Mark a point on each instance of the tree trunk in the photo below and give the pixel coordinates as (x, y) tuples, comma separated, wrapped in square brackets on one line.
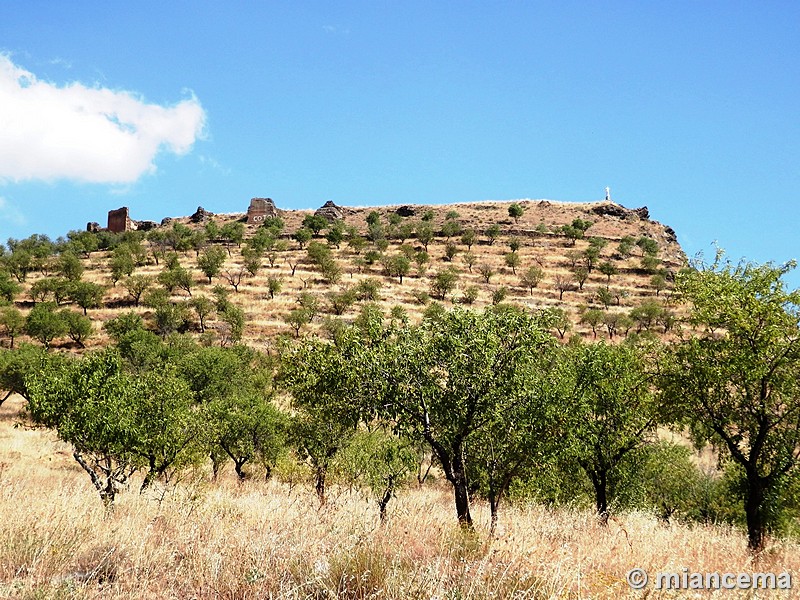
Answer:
[(216, 465), (238, 466), (320, 485), (461, 493), (754, 511), (600, 483), (387, 495), (493, 502)]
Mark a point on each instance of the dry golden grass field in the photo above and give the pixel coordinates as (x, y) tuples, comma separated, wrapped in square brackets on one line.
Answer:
[(232, 540)]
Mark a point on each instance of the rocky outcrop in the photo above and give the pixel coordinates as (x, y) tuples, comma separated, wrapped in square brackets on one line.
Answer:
[(330, 211), (260, 209), (166, 221), (611, 210), (93, 227), (145, 225), (201, 215), (406, 211)]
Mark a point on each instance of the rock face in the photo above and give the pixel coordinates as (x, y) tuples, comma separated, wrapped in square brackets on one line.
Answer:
[(145, 225), (406, 211), (260, 209), (166, 221), (119, 220), (201, 215), (330, 211), (611, 210), (93, 227)]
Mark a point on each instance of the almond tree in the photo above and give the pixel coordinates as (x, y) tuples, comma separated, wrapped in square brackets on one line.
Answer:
[(608, 411), (738, 376), (457, 381)]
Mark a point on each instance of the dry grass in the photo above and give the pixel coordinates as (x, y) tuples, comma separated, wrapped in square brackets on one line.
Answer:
[(266, 540)]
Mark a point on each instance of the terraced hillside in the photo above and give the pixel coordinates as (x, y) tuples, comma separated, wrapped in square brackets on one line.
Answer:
[(608, 268)]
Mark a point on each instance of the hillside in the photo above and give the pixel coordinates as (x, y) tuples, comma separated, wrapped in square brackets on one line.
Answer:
[(539, 233)]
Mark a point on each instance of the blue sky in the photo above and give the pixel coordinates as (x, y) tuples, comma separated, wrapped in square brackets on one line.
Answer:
[(690, 108)]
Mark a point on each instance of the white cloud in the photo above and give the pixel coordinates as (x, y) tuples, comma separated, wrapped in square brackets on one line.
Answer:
[(90, 134)]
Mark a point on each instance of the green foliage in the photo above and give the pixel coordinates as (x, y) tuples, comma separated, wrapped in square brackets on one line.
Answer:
[(492, 233), (137, 285), (531, 277), (274, 225), (458, 379), (451, 229), (12, 322), (593, 317), (86, 294), (176, 278), (315, 223), (44, 324), (90, 404), (203, 308), (515, 211), (123, 324), (648, 246), (373, 218), (558, 320), (397, 266), (450, 250), (342, 300), (626, 245), (379, 462), (170, 317), (323, 380), (302, 236), (19, 365), (512, 260), (443, 283), (274, 285), (232, 324), (608, 269), (78, 327), (70, 266), (609, 409), (247, 428), (469, 238), (232, 232), (296, 319), (336, 234), (121, 263), (424, 234), (369, 290), (210, 261), (737, 378), (499, 295), (470, 295), (8, 287)]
